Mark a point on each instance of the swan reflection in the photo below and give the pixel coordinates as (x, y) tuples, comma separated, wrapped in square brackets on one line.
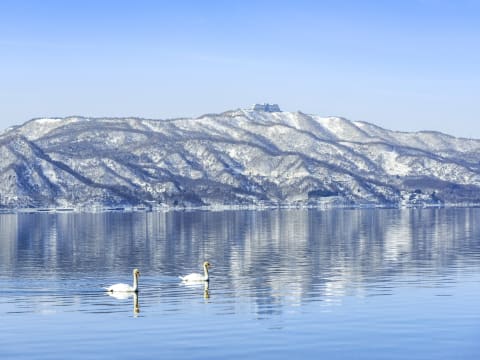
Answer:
[(126, 295), (120, 295), (198, 285), (206, 292), (136, 307)]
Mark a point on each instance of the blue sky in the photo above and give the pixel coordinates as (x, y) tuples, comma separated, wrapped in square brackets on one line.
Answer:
[(403, 65)]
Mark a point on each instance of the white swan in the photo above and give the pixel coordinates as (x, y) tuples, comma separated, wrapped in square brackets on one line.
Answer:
[(195, 277), (125, 288)]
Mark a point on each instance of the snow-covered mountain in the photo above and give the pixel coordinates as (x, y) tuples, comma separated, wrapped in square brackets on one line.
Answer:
[(261, 156)]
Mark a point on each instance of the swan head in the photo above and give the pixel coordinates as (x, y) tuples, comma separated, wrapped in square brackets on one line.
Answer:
[(206, 264), (136, 272)]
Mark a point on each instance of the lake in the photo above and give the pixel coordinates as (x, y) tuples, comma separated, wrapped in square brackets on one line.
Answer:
[(305, 283)]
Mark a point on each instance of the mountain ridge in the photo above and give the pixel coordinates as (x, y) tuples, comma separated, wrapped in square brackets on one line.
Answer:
[(238, 157)]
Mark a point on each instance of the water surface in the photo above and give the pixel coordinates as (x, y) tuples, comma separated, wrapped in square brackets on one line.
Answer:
[(336, 284)]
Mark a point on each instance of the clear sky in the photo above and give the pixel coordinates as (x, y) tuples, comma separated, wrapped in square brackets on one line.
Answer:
[(403, 65)]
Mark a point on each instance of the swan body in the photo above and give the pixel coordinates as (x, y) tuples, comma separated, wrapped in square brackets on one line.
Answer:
[(195, 277), (125, 288)]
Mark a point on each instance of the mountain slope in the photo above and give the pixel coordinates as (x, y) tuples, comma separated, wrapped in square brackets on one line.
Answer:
[(237, 157)]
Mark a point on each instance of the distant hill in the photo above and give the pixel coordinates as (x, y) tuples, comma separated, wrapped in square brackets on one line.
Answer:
[(239, 157)]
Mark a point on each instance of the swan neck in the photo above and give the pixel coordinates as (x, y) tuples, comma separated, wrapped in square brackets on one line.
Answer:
[(135, 282), (205, 271)]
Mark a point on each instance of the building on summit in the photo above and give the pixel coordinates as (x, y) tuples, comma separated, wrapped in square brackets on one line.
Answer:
[(266, 107)]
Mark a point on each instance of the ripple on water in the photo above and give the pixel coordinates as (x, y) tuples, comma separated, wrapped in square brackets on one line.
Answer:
[(333, 284)]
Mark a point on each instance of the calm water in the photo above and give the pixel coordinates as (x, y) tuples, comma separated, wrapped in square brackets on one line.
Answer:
[(339, 284)]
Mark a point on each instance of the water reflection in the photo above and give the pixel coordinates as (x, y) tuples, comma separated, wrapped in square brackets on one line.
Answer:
[(206, 291), (136, 307), (273, 258), (127, 295), (205, 285)]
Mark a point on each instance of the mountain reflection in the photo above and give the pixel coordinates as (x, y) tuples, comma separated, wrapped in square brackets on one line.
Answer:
[(275, 257)]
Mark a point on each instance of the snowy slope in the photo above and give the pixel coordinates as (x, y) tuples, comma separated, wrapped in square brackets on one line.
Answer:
[(237, 157)]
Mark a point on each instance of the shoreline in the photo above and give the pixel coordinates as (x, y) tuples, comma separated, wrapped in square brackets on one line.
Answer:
[(106, 209)]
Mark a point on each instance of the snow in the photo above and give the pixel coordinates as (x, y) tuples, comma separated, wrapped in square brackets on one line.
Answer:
[(49, 121), (37, 128), (255, 156), (393, 164)]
